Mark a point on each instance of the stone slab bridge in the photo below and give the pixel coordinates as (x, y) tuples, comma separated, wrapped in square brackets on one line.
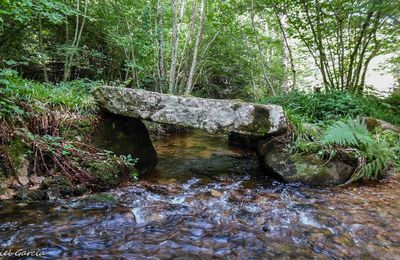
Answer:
[(212, 115)]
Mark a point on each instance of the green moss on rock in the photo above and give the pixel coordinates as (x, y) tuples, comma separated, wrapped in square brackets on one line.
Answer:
[(17, 151), (108, 172), (305, 168), (100, 198)]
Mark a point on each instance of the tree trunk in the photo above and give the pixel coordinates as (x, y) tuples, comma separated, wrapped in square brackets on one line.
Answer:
[(175, 42), (43, 61), (183, 70), (77, 39), (288, 50), (189, 85), (161, 66), (266, 78)]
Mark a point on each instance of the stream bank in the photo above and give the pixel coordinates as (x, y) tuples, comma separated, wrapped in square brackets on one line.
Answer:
[(208, 199)]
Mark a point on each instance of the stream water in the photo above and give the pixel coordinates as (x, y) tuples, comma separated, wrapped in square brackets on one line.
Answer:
[(208, 200)]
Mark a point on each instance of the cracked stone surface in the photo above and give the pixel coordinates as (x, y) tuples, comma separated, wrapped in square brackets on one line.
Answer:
[(212, 115)]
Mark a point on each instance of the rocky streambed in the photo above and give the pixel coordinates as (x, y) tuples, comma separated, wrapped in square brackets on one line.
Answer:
[(207, 199)]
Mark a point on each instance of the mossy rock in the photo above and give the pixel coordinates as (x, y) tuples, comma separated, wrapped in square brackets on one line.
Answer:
[(108, 172), (31, 195), (305, 168), (17, 151), (98, 200), (58, 186), (51, 187)]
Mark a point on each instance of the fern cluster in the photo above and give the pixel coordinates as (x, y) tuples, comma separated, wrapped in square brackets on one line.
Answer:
[(375, 151)]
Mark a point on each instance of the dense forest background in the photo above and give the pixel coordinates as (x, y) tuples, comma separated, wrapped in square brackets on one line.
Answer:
[(224, 49)]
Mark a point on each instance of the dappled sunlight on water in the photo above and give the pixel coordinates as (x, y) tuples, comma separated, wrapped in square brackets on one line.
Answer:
[(216, 204)]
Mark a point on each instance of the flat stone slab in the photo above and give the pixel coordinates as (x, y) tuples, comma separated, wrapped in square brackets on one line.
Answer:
[(212, 115)]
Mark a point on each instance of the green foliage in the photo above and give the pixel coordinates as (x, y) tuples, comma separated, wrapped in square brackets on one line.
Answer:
[(115, 162), (323, 107), (394, 98), (74, 95), (349, 133), (375, 152)]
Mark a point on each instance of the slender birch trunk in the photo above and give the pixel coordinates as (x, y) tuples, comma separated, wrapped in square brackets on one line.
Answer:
[(161, 66), (189, 85), (77, 38), (266, 78), (288, 50), (175, 42)]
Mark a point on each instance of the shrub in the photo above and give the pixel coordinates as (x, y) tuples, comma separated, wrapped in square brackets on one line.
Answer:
[(323, 107)]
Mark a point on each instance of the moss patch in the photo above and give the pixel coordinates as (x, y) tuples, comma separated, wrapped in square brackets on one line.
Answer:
[(101, 198), (17, 150), (108, 172), (311, 172)]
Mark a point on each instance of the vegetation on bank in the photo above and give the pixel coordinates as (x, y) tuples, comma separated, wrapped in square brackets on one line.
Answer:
[(333, 125), (48, 126)]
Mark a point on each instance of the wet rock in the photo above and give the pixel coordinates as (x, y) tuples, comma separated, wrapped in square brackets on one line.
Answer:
[(100, 200), (123, 136), (163, 189), (344, 240), (304, 168), (156, 217), (209, 114), (23, 172), (121, 217), (58, 186), (266, 229), (6, 194), (31, 195), (216, 193), (36, 181)]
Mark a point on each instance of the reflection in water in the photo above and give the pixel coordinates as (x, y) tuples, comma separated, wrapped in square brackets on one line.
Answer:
[(208, 200)]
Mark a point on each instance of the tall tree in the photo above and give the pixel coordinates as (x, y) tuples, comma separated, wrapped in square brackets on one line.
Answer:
[(189, 85), (342, 36), (260, 52), (80, 19), (176, 27), (160, 28)]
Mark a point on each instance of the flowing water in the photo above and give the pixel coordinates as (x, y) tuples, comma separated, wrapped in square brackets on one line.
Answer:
[(208, 200)]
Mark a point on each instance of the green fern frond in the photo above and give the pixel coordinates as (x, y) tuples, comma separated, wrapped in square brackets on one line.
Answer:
[(373, 169), (376, 152), (351, 133)]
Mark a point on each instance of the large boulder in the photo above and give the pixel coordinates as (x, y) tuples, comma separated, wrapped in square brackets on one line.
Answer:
[(211, 115), (124, 135), (305, 168)]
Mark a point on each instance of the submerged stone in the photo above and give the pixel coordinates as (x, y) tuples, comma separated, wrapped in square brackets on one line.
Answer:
[(211, 115)]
